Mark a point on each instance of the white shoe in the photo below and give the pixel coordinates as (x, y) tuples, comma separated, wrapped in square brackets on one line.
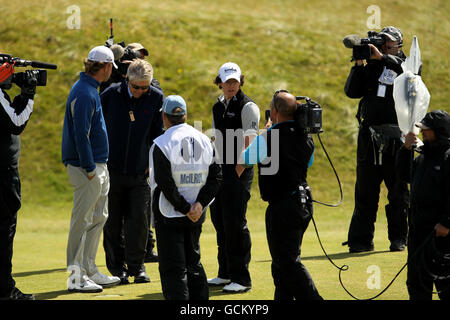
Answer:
[(104, 280), (84, 285), (218, 281), (235, 288)]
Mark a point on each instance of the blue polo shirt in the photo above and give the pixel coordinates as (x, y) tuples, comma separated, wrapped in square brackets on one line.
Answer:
[(84, 140), (256, 152)]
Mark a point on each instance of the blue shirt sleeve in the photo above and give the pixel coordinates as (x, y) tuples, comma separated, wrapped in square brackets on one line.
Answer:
[(311, 160), (256, 152)]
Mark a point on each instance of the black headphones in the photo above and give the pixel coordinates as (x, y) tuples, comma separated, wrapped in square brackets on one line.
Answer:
[(275, 96)]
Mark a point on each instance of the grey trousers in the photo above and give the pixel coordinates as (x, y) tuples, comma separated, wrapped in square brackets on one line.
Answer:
[(89, 215)]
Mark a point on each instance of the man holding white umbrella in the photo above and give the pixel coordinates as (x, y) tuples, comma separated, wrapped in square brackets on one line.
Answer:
[(429, 217)]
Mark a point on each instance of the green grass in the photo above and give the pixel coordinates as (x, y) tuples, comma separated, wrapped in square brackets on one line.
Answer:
[(40, 244), (291, 44)]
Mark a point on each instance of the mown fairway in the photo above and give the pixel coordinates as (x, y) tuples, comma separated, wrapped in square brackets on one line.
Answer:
[(295, 45)]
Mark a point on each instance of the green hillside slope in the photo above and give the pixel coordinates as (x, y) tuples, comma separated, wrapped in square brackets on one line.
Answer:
[(295, 45)]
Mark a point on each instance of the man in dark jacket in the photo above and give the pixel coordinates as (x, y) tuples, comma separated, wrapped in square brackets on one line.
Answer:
[(378, 141), (133, 120), (13, 120), (429, 217), (286, 190)]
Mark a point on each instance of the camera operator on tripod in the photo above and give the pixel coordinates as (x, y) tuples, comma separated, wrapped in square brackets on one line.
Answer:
[(13, 120), (372, 78)]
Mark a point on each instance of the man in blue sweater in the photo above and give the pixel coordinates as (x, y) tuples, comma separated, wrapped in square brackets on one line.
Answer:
[(85, 153)]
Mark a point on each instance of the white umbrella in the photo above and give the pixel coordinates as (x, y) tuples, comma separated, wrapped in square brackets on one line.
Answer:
[(411, 96)]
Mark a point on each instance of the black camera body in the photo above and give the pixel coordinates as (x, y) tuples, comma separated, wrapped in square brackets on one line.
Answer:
[(32, 78), (362, 51), (28, 78), (308, 116), (129, 55)]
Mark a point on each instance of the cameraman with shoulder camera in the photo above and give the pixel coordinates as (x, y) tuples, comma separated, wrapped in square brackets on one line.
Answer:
[(290, 206), (378, 141), (13, 120)]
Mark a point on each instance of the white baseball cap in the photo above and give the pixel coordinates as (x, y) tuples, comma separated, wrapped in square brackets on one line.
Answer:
[(230, 70), (102, 54)]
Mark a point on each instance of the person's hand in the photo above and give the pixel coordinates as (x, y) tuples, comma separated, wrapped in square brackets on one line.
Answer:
[(375, 54), (91, 175), (410, 140), (441, 231), (239, 169), (196, 212)]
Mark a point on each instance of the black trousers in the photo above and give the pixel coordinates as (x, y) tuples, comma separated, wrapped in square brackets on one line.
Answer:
[(181, 271), (128, 200), (228, 215), (369, 176), (9, 205), (151, 238), (419, 282), (286, 223)]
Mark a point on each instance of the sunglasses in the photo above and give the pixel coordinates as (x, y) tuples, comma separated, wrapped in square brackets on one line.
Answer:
[(139, 87)]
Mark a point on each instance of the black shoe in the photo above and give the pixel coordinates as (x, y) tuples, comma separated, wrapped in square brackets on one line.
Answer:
[(360, 248), (151, 257), (142, 277), (123, 278), (397, 245), (16, 294)]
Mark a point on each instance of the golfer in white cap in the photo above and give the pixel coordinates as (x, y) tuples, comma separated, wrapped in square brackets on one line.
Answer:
[(85, 152), (233, 112)]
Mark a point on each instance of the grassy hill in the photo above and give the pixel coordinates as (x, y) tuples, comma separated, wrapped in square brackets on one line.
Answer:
[(291, 44), (295, 45)]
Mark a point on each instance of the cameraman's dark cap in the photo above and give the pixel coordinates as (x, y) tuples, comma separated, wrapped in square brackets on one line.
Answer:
[(393, 33), (438, 121), (138, 47), (130, 55)]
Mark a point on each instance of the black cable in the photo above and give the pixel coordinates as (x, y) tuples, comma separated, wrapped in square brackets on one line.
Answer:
[(346, 267), (337, 177), (423, 265)]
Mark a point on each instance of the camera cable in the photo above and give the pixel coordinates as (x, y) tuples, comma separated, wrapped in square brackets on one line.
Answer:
[(344, 267)]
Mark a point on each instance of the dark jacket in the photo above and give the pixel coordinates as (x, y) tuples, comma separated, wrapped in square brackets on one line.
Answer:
[(363, 82), (295, 150), (132, 124), (229, 118), (430, 189), (13, 120)]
